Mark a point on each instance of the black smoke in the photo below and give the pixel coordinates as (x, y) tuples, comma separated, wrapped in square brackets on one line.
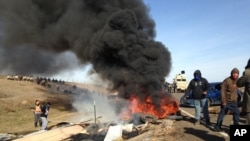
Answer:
[(115, 36)]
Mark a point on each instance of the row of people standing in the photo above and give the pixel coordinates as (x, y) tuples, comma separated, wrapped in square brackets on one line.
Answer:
[(171, 88), (41, 114), (198, 87)]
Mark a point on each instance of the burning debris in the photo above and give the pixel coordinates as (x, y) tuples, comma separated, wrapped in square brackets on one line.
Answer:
[(124, 127), (167, 106), (140, 120), (125, 110)]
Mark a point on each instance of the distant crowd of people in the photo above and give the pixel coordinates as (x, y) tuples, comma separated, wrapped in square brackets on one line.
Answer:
[(44, 81), (171, 88), (198, 87)]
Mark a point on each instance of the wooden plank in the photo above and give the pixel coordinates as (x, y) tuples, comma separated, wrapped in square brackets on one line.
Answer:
[(53, 135)]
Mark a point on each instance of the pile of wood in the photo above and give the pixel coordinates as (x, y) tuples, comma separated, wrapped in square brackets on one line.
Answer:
[(149, 129)]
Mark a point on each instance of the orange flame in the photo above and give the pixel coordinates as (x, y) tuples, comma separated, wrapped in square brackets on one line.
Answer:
[(168, 106)]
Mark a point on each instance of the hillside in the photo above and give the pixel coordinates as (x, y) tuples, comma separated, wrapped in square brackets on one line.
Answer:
[(17, 97)]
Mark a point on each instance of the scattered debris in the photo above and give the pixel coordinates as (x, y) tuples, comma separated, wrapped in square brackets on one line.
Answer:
[(148, 128), (6, 137)]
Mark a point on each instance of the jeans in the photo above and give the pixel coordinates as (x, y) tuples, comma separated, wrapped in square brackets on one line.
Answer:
[(44, 123), (201, 104), (236, 113), (37, 119), (248, 119)]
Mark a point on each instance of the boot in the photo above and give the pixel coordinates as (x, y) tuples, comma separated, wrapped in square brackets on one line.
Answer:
[(197, 122), (208, 123), (217, 128)]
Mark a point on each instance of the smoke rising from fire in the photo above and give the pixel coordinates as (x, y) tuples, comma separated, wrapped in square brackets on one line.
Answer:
[(115, 36)]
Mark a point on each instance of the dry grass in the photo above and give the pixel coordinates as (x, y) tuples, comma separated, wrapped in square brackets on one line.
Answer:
[(16, 98)]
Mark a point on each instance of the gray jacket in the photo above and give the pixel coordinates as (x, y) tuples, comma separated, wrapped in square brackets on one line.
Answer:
[(244, 81)]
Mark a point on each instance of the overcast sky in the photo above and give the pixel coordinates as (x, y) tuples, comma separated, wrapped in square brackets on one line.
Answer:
[(212, 36)]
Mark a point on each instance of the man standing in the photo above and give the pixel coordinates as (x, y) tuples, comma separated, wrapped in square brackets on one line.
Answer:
[(37, 113), (198, 87), (44, 117), (47, 107), (244, 81), (174, 86), (229, 98)]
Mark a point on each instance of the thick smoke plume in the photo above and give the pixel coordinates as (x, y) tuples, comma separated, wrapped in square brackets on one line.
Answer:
[(115, 36)]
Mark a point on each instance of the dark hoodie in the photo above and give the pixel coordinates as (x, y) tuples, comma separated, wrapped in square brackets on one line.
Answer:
[(234, 70), (229, 88), (197, 86)]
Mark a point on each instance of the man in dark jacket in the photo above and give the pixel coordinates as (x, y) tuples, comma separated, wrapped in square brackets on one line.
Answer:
[(198, 87), (244, 81), (229, 98), (44, 118), (47, 107)]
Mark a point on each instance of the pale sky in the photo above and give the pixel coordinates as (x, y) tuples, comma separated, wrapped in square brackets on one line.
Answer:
[(212, 36)]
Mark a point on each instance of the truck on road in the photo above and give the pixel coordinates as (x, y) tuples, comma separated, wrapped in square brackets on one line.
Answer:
[(181, 82)]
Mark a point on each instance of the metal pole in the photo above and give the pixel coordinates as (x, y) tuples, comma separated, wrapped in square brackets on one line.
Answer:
[(94, 112)]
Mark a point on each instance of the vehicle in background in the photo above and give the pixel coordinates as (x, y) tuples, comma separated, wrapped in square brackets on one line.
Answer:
[(213, 96), (181, 82)]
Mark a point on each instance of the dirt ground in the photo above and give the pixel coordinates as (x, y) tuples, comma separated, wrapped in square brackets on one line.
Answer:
[(183, 130), (197, 133)]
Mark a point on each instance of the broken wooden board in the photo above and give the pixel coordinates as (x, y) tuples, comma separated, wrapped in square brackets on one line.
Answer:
[(53, 135), (115, 132)]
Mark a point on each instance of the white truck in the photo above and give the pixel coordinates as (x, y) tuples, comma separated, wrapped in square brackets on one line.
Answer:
[(181, 82)]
